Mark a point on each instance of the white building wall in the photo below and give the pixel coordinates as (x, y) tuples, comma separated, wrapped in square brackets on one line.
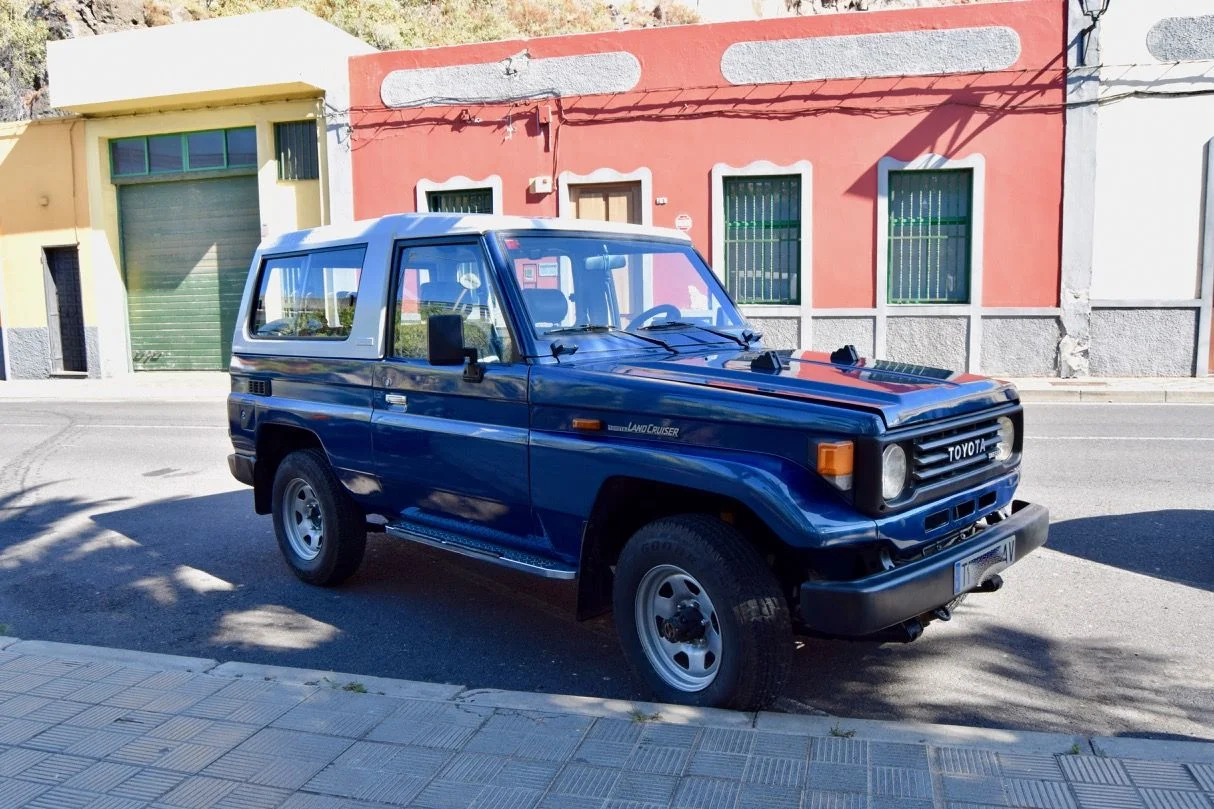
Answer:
[(1150, 158)]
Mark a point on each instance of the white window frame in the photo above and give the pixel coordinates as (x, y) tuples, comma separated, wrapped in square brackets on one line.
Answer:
[(761, 168), (603, 176), (493, 183), (976, 163)]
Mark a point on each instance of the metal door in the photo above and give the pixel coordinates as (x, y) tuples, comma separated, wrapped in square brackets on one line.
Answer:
[(186, 250), (447, 446), (64, 311)]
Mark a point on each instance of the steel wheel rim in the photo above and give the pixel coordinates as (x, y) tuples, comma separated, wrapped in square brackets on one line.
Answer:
[(302, 519), (688, 665)]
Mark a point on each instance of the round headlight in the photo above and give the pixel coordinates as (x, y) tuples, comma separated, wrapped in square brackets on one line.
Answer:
[(893, 471), (1007, 439)]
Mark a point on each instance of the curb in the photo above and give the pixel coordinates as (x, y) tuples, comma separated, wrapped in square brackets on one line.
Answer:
[(999, 740), (1096, 396), (402, 689), (104, 654)]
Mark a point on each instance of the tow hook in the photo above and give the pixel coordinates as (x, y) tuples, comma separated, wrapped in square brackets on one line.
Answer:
[(990, 585)]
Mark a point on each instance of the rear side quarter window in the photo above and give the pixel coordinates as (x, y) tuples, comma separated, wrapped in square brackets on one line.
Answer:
[(309, 296)]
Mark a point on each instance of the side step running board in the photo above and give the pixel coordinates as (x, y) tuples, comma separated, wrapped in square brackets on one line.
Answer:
[(474, 549)]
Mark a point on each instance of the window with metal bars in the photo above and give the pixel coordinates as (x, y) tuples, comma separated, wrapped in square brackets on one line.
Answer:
[(298, 155), (470, 200), (930, 233), (763, 238)]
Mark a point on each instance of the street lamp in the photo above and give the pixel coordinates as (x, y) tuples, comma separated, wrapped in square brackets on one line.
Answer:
[(1093, 10)]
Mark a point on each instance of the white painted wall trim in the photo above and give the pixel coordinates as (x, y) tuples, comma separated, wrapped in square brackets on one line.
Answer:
[(1205, 315), (461, 183), (770, 310), (1131, 303), (4, 359), (977, 163), (564, 202), (760, 168), (933, 311)]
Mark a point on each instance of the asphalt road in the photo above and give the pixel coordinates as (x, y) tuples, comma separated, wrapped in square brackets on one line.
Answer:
[(120, 526)]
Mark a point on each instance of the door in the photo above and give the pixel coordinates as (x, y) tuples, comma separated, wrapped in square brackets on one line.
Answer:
[(611, 202), (618, 202), (64, 311), (186, 249), (446, 447)]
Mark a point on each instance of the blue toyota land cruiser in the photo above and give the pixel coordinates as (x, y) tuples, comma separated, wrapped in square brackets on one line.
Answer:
[(583, 401)]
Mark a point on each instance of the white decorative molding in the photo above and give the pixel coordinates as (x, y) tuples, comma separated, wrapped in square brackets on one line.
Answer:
[(1182, 39), (493, 182), (564, 202), (516, 78), (805, 170), (1206, 312), (972, 310), (926, 52)]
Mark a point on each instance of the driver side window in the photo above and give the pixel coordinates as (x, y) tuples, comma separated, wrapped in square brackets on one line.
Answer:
[(445, 279)]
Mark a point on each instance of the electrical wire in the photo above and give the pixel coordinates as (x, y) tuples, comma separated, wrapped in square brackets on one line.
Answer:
[(801, 104)]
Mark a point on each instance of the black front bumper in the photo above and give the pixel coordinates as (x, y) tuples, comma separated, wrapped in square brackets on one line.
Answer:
[(241, 467), (864, 606)]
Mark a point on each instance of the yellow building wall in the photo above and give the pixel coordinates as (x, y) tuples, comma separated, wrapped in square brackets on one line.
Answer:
[(43, 203), (284, 206)]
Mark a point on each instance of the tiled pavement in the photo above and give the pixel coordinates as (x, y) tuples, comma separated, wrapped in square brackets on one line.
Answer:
[(78, 733)]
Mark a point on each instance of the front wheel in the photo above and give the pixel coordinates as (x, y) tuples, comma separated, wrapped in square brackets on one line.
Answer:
[(700, 616), (320, 531)]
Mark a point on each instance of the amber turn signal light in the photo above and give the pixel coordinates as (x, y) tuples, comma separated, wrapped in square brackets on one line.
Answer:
[(836, 462), (587, 424)]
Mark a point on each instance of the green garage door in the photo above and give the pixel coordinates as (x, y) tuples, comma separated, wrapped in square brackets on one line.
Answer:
[(186, 249)]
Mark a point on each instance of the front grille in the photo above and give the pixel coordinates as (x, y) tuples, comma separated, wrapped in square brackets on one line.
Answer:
[(959, 450)]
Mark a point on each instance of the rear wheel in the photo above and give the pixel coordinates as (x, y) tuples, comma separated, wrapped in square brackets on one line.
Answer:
[(700, 616), (320, 530)]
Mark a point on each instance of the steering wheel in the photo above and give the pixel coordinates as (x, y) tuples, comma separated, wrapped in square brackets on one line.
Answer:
[(668, 309)]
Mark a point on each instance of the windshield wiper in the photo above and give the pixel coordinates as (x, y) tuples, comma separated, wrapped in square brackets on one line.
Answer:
[(599, 328), (744, 341)]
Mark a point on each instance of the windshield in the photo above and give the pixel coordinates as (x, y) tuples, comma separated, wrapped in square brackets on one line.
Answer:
[(575, 284)]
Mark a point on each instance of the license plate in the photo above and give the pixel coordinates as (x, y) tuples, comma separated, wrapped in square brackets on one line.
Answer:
[(970, 572)]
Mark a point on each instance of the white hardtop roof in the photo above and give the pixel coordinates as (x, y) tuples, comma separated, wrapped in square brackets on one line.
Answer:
[(424, 225)]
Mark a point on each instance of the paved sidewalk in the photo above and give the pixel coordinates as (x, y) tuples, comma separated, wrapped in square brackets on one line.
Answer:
[(177, 386), (106, 729)]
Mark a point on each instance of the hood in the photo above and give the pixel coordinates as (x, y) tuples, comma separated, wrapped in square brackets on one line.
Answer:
[(902, 394)]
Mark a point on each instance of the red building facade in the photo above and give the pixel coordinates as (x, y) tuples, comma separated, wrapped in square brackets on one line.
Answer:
[(888, 179)]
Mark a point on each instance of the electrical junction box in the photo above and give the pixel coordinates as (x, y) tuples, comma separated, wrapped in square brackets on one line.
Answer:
[(541, 185)]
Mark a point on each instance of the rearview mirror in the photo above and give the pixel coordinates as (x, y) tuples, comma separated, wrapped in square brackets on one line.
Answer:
[(446, 338), (606, 262), (445, 335)]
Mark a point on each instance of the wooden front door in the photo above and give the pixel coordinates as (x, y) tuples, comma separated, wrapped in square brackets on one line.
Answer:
[(610, 202)]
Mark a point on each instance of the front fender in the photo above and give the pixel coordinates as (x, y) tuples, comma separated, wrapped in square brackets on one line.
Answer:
[(567, 473)]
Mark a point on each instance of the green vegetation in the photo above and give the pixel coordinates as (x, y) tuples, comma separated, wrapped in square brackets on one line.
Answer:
[(840, 733), (357, 688), (386, 24), (638, 715), (22, 58), (396, 24)]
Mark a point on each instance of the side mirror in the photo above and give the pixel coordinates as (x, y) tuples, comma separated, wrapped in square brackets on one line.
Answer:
[(445, 335)]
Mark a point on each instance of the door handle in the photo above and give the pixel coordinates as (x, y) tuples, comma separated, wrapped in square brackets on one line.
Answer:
[(397, 399)]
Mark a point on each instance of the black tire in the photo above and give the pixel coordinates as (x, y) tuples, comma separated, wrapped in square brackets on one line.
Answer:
[(344, 537), (755, 628)]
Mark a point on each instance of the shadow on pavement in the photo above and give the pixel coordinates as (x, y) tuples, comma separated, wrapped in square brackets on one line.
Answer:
[(1176, 544), (203, 576)]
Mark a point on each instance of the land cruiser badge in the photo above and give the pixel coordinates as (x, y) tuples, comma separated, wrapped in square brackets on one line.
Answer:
[(645, 429)]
